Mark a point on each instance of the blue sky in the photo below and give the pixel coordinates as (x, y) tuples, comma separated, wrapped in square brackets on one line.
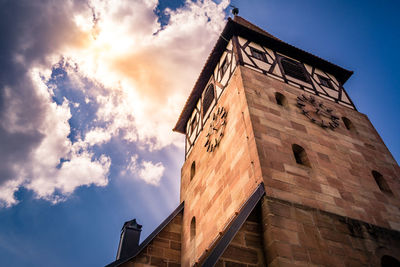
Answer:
[(90, 91)]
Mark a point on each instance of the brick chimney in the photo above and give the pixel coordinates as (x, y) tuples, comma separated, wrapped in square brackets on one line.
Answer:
[(129, 241)]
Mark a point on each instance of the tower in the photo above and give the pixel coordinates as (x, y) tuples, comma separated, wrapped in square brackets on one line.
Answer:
[(280, 167)]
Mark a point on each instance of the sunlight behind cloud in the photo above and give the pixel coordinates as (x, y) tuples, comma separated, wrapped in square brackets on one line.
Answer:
[(126, 77)]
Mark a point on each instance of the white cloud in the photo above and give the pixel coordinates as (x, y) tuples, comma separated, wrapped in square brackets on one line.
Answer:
[(147, 171), (141, 75)]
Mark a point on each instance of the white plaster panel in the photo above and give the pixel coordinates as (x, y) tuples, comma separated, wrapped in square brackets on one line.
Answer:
[(319, 89), (297, 81), (308, 68), (326, 97), (277, 70), (332, 93), (261, 64), (229, 46), (246, 59), (333, 78), (219, 90), (270, 53), (256, 46), (344, 97), (242, 41)]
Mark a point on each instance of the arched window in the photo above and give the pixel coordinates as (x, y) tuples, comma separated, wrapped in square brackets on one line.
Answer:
[(193, 228), (389, 261), (208, 98), (349, 125), (281, 99), (383, 186), (300, 155), (192, 170)]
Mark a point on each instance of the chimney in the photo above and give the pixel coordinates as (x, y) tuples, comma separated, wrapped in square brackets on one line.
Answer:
[(129, 240)]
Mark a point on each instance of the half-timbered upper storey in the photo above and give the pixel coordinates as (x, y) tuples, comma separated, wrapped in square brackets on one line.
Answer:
[(247, 45)]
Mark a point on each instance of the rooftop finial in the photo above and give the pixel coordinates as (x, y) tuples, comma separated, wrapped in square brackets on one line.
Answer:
[(235, 10)]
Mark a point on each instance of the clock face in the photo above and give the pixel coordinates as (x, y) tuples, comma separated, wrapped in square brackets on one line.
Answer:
[(216, 129), (316, 112)]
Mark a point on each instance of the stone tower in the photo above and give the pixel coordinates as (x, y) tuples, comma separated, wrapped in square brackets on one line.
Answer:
[(280, 168)]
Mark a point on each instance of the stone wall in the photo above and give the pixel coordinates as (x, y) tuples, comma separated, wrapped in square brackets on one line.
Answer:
[(339, 179), (164, 250), (296, 235), (246, 249), (224, 179)]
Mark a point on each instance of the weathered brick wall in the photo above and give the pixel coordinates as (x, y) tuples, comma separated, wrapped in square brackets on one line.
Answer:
[(340, 179), (246, 249), (164, 250), (296, 235), (224, 179)]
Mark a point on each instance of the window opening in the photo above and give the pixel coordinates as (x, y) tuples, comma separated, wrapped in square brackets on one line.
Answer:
[(325, 81), (224, 67), (193, 124), (192, 170), (294, 69), (258, 54), (208, 98), (193, 228), (383, 186), (349, 125), (281, 99), (300, 155)]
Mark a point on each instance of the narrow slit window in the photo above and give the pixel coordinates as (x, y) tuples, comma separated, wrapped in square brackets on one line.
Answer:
[(349, 125), (281, 99), (193, 228), (294, 69), (300, 155), (208, 98), (380, 181), (192, 170)]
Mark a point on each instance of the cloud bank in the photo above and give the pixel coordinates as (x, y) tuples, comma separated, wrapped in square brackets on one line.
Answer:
[(76, 74)]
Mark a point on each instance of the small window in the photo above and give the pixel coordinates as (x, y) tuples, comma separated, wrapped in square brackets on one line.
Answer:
[(193, 228), (383, 186), (294, 69), (325, 81), (192, 170), (258, 54), (281, 99), (349, 125), (224, 67), (208, 98), (300, 155), (193, 124)]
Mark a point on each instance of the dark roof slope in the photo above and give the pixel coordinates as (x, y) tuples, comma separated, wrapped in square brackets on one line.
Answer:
[(146, 242), (218, 248), (241, 27)]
